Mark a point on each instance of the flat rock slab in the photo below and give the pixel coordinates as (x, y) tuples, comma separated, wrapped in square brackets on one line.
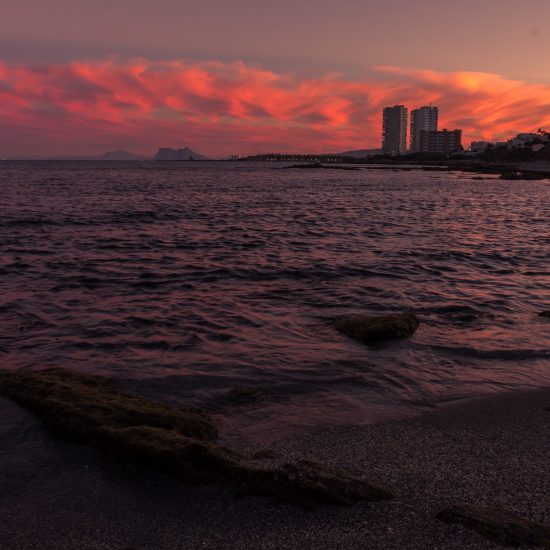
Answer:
[(176, 441), (79, 405), (506, 528), (371, 329)]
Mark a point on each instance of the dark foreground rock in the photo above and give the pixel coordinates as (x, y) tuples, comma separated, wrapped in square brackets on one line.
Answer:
[(82, 407), (176, 441), (369, 329), (505, 528), (545, 313)]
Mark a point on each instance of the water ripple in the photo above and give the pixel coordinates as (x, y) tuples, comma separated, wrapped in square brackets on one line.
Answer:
[(186, 280)]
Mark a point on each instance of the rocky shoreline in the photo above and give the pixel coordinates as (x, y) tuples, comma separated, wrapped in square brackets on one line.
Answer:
[(505, 171), (483, 459), (470, 475), (176, 441)]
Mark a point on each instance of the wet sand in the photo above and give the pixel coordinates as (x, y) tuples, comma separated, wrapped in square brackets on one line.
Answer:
[(492, 451)]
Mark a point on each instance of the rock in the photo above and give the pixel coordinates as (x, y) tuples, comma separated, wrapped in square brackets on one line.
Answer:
[(79, 406), (264, 454), (514, 175), (545, 313), (368, 329), (176, 441), (506, 528), (309, 484), (306, 166)]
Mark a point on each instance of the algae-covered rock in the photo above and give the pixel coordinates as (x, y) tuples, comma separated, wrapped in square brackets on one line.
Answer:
[(371, 329), (506, 528), (77, 406), (309, 484), (264, 454), (176, 441)]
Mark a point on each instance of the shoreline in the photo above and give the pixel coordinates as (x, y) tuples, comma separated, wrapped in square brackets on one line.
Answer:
[(489, 451)]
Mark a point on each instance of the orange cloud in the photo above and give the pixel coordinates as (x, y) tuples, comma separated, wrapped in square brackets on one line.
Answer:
[(222, 108)]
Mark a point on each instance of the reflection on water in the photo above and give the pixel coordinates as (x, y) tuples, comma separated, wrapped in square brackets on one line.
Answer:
[(185, 280)]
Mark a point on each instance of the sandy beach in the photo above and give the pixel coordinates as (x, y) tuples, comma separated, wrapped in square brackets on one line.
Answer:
[(491, 451)]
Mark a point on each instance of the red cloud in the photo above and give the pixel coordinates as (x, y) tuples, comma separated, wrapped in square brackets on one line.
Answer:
[(223, 108)]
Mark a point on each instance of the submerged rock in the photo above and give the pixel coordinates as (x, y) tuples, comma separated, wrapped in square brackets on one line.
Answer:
[(308, 484), (370, 329), (264, 454), (79, 406), (523, 175), (306, 166), (506, 528), (176, 441)]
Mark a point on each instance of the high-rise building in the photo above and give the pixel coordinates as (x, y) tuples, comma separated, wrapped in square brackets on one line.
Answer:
[(424, 118), (442, 142), (394, 133)]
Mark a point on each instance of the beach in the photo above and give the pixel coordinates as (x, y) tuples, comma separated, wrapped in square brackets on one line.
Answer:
[(274, 276), (490, 452)]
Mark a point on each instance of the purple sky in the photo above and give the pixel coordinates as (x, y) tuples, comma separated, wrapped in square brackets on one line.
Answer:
[(305, 39), (507, 37)]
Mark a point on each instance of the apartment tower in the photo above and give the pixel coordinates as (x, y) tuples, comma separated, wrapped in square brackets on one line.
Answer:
[(394, 133), (422, 119), (442, 142)]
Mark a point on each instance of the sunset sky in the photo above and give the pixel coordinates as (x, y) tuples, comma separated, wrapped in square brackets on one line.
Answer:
[(242, 76)]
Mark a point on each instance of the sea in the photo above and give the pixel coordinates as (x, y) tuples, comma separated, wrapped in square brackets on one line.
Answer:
[(217, 284)]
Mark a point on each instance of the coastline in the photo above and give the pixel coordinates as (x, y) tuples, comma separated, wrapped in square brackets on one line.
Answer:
[(490, 451)]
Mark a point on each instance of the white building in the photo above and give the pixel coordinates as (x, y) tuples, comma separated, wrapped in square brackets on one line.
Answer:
[(424, 118), (394, 133)]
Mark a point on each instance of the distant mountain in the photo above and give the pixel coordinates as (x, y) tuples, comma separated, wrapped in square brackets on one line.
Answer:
[(110, 155), (118, 155), (165, 153), (360, 153)]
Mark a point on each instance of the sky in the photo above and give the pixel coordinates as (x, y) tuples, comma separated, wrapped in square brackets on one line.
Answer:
[(243, 76)]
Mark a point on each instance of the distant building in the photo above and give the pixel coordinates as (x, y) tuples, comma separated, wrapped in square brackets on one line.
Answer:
[(480, 146), (524, 140), (424, 118), (442, 142), (394, 133)]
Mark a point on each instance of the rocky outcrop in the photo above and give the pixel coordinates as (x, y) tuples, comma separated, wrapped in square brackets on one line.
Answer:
[(83, 408), (372, 329), (545, 313), (165, 153), (506, 528), (176, 441)]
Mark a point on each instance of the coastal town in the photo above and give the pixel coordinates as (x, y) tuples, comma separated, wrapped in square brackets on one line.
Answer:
[(426, 138)]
